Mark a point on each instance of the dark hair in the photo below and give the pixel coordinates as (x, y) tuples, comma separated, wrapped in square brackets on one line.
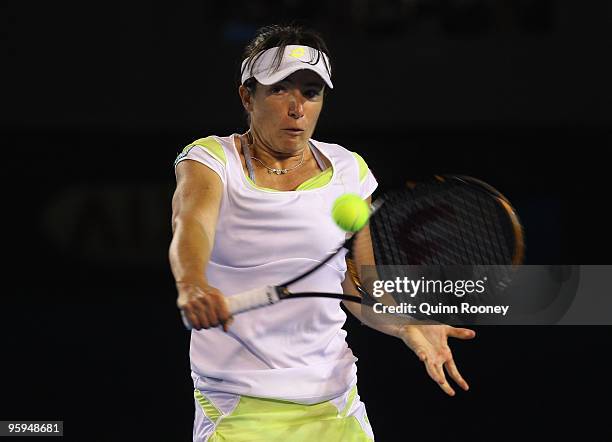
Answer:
[(280, 36)]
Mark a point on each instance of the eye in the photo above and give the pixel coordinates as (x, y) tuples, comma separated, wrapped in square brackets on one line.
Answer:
[(277, 88), (313, 93)]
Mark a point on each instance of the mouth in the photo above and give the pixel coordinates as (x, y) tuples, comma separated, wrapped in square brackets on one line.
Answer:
[(293, 131)]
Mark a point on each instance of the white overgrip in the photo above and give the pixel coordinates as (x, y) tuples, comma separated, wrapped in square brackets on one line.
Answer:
[(252, 299)]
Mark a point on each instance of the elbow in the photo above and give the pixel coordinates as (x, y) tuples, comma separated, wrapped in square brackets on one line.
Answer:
[(181, 221), (183, 224)]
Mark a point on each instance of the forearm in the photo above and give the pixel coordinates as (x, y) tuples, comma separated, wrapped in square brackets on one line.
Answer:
[(392, 325), (190, 251)]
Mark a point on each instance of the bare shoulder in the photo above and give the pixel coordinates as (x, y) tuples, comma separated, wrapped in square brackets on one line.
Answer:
[(198, 190), (193, 172)]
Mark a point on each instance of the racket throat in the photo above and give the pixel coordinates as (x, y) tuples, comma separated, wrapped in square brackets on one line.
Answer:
[(282, 292)]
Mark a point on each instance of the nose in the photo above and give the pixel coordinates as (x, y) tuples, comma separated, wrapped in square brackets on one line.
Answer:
[(296, 105)]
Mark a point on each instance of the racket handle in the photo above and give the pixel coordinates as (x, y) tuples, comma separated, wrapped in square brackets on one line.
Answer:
[(252, 299), (245, 301)]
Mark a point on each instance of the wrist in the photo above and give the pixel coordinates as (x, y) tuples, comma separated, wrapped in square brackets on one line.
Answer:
[(403, 330), (185, 283)]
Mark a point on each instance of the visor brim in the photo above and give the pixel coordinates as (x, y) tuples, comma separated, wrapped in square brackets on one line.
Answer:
[(281, 74)]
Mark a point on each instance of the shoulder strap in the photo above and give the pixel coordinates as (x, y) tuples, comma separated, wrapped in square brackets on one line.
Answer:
[(317, 156), (247, 160)]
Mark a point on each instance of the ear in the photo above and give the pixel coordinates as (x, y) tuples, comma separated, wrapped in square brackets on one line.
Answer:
[(246, 98)]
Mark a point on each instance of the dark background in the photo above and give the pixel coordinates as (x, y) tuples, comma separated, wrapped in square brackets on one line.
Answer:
[(99, 99)]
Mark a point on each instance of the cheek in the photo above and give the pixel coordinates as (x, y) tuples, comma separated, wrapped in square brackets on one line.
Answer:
[(264, 109), (314, 111)]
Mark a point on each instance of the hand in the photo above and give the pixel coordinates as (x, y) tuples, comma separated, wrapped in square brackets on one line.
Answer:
[(429, 343), (204, 306)]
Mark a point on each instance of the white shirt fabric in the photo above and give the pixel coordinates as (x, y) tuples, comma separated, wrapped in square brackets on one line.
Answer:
[(294, 350)]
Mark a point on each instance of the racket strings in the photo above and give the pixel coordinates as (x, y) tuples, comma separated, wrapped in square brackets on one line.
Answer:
[(384, 231), (441, 224), (483, 222)]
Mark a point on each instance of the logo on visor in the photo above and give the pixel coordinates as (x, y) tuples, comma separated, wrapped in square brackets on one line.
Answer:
[(297, 53)]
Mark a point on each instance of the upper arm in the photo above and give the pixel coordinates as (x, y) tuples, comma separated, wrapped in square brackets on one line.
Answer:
[(362, 255), (363, 252), (197, 196)]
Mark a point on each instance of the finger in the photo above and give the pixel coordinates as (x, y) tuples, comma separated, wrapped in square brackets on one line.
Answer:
[(208, 311), (225, 318), (442, 382), (461, 333), (446, 388), (434, 372), (440, 378), (193, 319), (200, 305), (200, 312), (226, 324), (223, 308), (455, 375), (440, 372), (223, 315)]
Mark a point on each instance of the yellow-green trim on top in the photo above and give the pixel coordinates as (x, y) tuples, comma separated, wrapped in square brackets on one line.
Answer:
[(214, 148), (210, 145), (363, 167)]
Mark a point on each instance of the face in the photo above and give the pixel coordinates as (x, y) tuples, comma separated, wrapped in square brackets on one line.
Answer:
[(284, 115)]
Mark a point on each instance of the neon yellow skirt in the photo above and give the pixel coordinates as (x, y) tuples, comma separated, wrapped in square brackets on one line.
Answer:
[(228, 417)]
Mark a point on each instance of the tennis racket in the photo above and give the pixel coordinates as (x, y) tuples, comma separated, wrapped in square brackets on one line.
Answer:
[(442, 222)]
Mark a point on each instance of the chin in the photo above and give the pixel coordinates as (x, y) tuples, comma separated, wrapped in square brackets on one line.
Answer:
[(291, 142)]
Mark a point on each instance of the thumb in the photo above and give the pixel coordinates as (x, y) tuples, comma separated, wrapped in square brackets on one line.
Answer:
[(461, 333)]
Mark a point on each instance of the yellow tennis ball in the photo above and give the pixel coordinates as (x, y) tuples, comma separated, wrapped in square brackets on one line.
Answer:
[(350, 212)]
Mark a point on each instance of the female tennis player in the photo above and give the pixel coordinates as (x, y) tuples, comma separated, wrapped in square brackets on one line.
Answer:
[(253, 209)]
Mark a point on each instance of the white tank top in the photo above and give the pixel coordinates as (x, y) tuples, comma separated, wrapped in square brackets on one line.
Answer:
[(294, 350)]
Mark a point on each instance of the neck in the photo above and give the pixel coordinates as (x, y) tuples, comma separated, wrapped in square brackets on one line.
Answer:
[(273, 157)]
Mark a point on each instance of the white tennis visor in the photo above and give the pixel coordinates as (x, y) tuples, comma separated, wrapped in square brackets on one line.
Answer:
[(295, 58)]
